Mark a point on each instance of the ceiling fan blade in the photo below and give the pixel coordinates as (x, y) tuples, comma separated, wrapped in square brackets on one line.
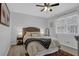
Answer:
[(56, 4), (40, 5), (42, 10)]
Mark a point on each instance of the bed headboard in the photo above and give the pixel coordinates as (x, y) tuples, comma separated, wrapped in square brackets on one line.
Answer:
[(30, 29)]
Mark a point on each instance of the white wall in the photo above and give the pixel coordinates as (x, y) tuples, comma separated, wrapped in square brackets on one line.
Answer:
[(22, 20), (51, 27), (65, 39), (4, 40)]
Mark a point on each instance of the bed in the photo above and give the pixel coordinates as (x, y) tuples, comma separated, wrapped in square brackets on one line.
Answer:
[(37, 44)]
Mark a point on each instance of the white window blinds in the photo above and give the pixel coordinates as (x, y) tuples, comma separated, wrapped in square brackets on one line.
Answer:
[(67, 25)]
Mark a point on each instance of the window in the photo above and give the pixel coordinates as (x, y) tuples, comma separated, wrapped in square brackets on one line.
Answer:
[(67, 25)]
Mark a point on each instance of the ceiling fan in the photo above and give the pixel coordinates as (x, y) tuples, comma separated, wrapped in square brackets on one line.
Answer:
[(47, 6)]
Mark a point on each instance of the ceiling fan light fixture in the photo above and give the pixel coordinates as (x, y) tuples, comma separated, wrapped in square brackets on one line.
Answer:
[(45, 8), (48, 8)]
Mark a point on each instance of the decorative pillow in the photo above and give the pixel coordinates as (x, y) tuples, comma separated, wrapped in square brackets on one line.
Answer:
[(35, 34)]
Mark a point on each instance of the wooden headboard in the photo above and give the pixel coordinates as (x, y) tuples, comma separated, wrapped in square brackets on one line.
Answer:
[(30, 29)]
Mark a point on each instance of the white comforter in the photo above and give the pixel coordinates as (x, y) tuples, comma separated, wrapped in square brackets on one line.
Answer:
[(35, 48)]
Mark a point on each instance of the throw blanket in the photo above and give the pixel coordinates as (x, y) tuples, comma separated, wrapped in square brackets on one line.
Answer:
[(44, 42)]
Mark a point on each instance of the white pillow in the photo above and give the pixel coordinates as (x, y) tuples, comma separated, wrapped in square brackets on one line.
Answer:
[(35, 34)]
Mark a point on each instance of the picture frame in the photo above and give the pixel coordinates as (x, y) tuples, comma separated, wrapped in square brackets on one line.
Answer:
[(4, 14)]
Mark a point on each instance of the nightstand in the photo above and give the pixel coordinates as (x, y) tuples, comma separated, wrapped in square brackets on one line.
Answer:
[(19, 40)]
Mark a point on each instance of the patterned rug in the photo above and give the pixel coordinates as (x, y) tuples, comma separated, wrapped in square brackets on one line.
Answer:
[(59, 53)]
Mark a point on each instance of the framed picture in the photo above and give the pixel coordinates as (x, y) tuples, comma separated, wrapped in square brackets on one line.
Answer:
[(4, 14)]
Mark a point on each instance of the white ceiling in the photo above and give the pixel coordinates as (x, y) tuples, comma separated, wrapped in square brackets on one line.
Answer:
[(32, 9)]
